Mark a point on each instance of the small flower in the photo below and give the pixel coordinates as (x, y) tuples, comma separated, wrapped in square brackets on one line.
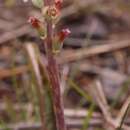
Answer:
[(58, 4), (51, 12), (63, 34), (59, 39), (34, 22), (39, 26)]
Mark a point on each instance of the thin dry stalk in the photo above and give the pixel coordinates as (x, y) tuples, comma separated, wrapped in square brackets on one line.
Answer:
[(123, 110), (99, 94), (35, 66)]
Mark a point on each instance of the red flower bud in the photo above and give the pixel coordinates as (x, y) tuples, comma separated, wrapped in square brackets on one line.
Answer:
[(38, 25), (63, 34), (58, 4), (58, 40), (34, 22)]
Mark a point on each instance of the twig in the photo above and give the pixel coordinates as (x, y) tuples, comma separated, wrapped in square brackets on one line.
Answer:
[(25, 29), (4, 73), (88, 52)]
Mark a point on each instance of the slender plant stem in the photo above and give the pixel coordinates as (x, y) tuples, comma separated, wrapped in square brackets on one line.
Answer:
[(48, 2), (54, 75)]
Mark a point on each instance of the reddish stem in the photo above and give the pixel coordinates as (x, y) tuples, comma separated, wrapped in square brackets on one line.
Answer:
[(54, 75), (48, 2)]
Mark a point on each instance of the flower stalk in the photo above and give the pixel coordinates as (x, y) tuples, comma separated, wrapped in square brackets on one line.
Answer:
[(53, 44), (54, 74)]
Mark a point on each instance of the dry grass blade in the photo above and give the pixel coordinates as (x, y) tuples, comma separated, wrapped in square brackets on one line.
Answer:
[(123, 118), (123, 112), (33, 59), (101, 100), (99, 95)]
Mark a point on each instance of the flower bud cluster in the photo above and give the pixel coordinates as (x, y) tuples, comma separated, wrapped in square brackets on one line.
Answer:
[(50, 13)]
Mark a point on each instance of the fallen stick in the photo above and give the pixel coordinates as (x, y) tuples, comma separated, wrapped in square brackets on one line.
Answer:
[(14, 71), (25, 29), (74, 55)]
